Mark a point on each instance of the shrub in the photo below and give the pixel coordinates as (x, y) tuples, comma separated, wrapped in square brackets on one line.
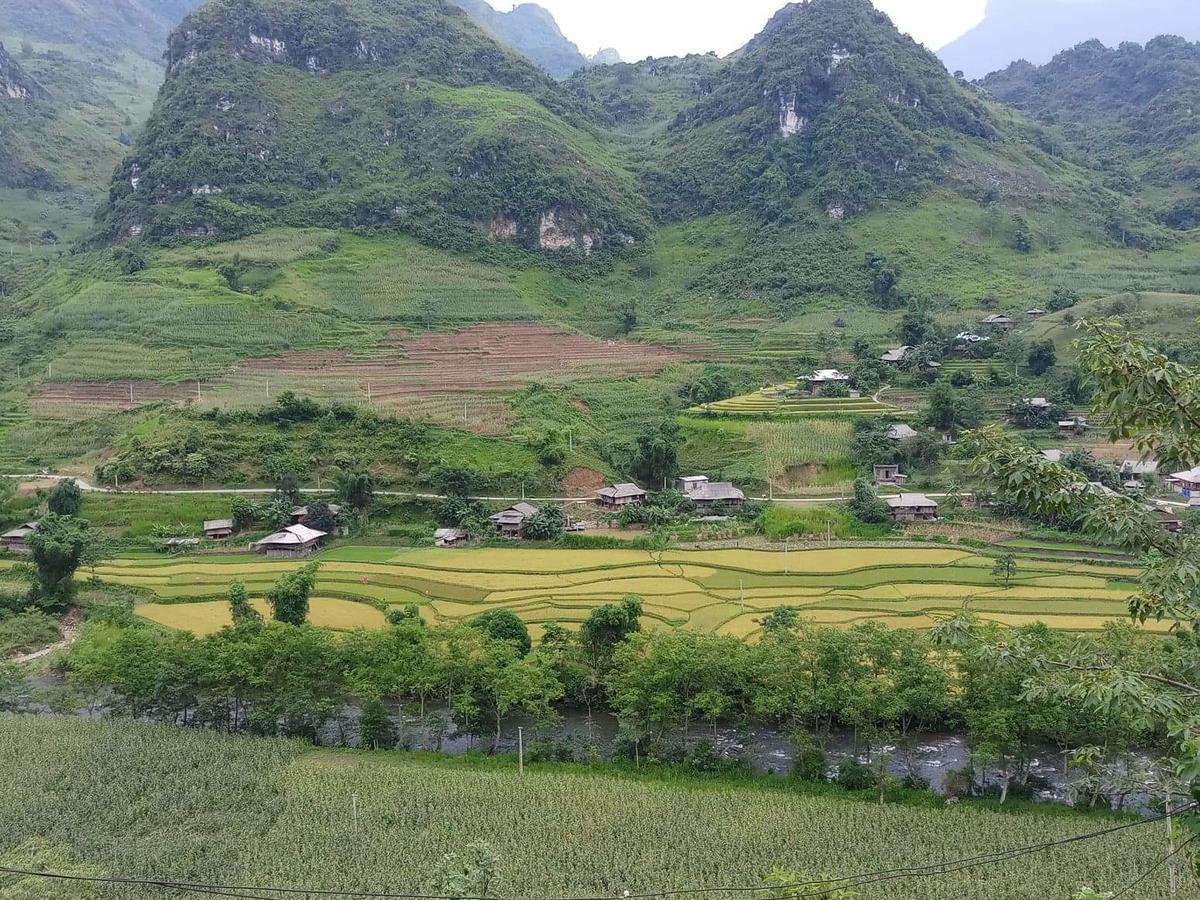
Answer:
[(854, 776)]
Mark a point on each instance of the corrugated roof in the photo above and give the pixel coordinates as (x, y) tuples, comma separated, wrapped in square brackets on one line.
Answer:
[(293, 536), (620, 491), (910, 501), (715, 492)]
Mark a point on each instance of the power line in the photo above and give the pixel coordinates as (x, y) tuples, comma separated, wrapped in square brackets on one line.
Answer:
[(1154, 868), (833, 884)]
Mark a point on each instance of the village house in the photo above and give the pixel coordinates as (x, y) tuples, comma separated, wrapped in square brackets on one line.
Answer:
[(1168, 519), (821, 379), (912, 508), (618, 496), (181, 543), (900, 433), (449, 537), (294, 541), (1138, 470), (510, 522), (998, 322), (1035, 313), (1040, 403), (889, 474), (897, 356), (299, 514), (17, 540), (1075, 425), (704, 493), (1186, 483), (218, 529)]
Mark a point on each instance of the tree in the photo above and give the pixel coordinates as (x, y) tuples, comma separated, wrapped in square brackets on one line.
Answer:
[(58, 548), (885, 281), (503, 625), (321, 517), (782, 618), (1022, 235), (243, 513), (65, 498), (950, 410), (917, 327), (130, 260), (289, 596), (1146, 398), (628, 315), (287, 488), (1042, 357), (657, 458), (375, 728), (866, 505), (1006, 568), (605, 628), (544, 525), (355, 489), (240, 608)]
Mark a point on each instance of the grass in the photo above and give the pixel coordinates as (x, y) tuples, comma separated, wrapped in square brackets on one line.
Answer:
[(269, 811), (785, 400), (724, 591)]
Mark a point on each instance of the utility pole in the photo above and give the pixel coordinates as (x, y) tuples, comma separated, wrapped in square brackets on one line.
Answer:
[(1172, 881), (520, 750), (354, 810), (131, 393)]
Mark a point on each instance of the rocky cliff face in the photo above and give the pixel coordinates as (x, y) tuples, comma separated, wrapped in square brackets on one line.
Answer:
[(14, 83)]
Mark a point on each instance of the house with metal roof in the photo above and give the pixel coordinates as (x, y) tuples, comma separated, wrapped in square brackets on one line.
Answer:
[(293, 541), (618, 496), (901, 432), (912, 508), (704, 493), (17, 540), (821, 379), (218, 529)]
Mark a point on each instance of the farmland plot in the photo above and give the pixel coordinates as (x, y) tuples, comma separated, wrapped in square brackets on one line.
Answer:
[(723, 591)]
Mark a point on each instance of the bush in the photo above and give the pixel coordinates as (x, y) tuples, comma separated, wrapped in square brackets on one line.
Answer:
[(810, 763), (702, 757), (65, 498), (854, 776)]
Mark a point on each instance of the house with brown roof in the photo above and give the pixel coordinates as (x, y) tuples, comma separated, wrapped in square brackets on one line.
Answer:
[(912, 508), (510, 522), (999, 322), (218, 529), (290, 543), (299, 514), (901, 432), (618, 496), (897, 356), (17, 540)]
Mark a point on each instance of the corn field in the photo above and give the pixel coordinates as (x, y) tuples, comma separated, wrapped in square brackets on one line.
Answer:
[(123, 799), (786, 444)]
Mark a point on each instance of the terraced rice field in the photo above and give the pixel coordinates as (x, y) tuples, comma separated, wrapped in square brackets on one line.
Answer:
[(449, 378), (783, 400), (722, 591)]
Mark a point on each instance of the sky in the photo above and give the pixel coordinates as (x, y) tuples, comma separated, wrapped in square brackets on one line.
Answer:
[(641, 28)]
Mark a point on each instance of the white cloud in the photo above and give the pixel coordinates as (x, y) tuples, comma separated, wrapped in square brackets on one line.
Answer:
[(641, 28)]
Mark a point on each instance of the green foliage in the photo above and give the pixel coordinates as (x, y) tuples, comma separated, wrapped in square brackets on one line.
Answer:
[(545, 525), (65, 498), (239, 606), (503, 625), (781, 522), (58, 548), (866, 505), (1042, 357), (375, 728), (289, 596), (1006, 568), (355, 489), (657, 459)]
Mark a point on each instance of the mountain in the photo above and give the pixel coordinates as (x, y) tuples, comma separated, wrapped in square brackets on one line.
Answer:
[(97, 65), (368, 113), (830, 100), (1035, 30), (532, 31), (120, 26), (1133, 111), (15, 84)]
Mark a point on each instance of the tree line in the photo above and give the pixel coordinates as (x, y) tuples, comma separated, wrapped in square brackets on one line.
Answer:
[(670, 689)]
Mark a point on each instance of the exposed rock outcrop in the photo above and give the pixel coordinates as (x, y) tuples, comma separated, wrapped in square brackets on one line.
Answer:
[(15, 84)]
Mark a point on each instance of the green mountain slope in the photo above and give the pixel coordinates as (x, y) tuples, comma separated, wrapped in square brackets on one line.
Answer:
[(100, 65), (532, 31), (1133, 111), (379, 113)]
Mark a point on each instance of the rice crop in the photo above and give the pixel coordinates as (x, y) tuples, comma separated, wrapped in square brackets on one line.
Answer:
[(708, 590)]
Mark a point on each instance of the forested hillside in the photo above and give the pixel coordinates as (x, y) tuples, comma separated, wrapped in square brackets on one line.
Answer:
[(401, 114), (1132, 111)]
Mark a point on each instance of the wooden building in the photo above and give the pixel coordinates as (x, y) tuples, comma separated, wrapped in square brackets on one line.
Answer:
[(889, 474), (293, 542), (620, 495), (17, 540), (912, 508), (218, 529), (510, 522)]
